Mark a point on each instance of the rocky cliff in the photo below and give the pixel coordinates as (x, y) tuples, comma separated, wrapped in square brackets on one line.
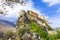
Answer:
[(30, 27)]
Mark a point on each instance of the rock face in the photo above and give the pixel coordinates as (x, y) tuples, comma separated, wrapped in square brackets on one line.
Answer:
[(26, 17), (29, 36), (24, 22)]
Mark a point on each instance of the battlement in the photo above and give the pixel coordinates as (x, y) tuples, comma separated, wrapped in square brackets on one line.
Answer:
[(31, 13)]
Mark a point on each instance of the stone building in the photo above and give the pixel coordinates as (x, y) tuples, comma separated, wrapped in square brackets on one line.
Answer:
[(32, 15), (42, 17)]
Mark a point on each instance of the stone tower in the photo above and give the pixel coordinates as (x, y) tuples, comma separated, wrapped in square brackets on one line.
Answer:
[(21, 18)]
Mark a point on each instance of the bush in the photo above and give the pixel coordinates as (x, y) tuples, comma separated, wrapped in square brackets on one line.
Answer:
[(8, 34), (52, 37), (58, 34), (40, 30), (21, 31)]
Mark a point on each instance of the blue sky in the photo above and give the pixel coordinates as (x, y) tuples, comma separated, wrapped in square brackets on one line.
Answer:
[(50, 11), (49, 8)]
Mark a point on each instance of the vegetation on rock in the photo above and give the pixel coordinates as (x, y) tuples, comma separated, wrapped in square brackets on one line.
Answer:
[(29, 27)]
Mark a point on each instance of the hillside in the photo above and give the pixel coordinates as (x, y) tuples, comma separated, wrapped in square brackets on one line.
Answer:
[(5, 22), (5, 25)]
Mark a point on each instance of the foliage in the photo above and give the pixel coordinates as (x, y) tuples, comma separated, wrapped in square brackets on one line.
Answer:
[(37, 29), (21, 31), (58, 34), (33, 29), (44, 38), (52, 37), (1, 34), (2, 39), (8, 34), (49, 27)]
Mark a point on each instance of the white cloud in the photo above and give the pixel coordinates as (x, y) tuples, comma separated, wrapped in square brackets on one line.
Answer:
[(13, 12), (52, 2), (58, 11), (14, 8), (55, 20)]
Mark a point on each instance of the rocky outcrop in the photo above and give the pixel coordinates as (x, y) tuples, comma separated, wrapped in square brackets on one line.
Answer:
[(26, 17), (31, 21), (30, 36)]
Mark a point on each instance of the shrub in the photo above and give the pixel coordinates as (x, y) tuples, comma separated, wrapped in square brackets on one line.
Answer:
[(58, 34), (52, 37), (8, 34), (21, 31), (39, 30)]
